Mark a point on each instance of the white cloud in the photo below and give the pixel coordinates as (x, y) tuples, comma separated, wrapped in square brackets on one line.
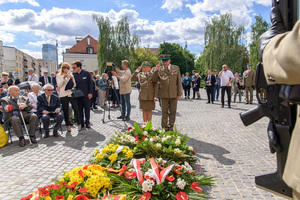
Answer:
[(31, 2), (263, 2), (35, 54), (171, 5), (7, 37)]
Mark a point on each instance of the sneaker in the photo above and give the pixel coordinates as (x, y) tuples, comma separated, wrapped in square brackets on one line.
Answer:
[(120, 117)]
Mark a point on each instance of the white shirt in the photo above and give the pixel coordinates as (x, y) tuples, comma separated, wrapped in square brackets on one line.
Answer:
[(33, 77), (116, 83), (225, 77), (33, 100)]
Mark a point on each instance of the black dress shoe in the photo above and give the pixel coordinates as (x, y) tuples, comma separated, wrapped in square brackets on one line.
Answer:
[(229, 106), (88, 126), (222, 106), (96, 108), (120, 117), (207, 102), (33, 139), (22, 142), (46, 135), (55, 134), (126, 119)]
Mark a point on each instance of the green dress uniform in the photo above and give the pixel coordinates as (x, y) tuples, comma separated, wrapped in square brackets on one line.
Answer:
[(170, 88), (281, 66), (148, 89)]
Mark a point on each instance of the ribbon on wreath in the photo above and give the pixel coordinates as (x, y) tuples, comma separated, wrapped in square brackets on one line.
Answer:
[(120, 148), (137, 166), (159, 177)]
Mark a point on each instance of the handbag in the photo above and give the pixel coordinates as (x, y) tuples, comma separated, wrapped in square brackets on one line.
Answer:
[(77, 93), (241, 87), (3, 137)]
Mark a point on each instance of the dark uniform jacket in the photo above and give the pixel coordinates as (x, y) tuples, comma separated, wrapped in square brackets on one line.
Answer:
[(170, 81), (148, 88), (42, 103)]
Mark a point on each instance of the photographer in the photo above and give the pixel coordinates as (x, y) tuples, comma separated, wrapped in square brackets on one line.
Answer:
[(125, 89), (280, 52)]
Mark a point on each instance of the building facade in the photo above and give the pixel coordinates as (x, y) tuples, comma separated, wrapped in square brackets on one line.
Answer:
[(84, 50), (50, 52)]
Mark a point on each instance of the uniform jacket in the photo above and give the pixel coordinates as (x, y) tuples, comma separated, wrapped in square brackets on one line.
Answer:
[(281, 66), (249, 78), (170, 81), (148, 88), (125, 82), (9, 106), (42, 103), (212, 80)]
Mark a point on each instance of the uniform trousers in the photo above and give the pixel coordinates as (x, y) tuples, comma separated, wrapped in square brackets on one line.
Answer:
[(29, 118), (169, 106), (84, 103), (247, 90)]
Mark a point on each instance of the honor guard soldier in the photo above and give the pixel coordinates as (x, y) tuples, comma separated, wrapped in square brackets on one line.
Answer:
[(170, 90)]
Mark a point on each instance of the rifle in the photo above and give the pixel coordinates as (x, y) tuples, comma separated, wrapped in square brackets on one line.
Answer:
[(278, 103)]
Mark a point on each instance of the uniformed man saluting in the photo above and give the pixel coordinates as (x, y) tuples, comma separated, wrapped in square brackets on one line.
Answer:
[(170, 90)]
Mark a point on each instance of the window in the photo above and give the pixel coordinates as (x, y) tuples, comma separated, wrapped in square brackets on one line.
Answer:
[(90, 50)]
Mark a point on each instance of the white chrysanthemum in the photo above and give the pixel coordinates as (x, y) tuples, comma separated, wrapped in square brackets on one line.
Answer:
[(149, 173), (164, 139), (158, 145), (176, 150), (159, 159), (146, 139), (145, 133), (147, 185), (178, 137), (177, 142), (187, 167), (169, 137), (191, 148), (153, 129), (180, 183)]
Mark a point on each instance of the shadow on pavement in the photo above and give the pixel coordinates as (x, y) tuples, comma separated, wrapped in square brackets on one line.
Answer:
[(216, 151)]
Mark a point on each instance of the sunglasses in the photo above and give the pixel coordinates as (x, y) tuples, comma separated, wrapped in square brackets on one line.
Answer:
[(65, 67), (49, 90), (4, 75), (74, 67)]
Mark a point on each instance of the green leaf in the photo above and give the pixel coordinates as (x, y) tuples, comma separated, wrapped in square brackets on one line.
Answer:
[(137, 127), (149, 126)]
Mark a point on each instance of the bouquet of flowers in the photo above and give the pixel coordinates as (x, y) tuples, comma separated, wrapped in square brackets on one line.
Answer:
[(156, 142), (160, 179), (81, 183), (113, 156)]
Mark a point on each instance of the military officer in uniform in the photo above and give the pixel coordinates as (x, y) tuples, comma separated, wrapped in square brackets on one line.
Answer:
[(148, 90), (249, 82), (281, 66), (170, 90)]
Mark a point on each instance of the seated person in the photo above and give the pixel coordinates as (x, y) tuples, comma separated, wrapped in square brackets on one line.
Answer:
[(48, 105), (2, 94), (12, 106), (32, 96)]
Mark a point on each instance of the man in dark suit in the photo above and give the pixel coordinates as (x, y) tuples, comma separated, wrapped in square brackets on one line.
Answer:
[(53, 80), (210, 83), (45, 79), (48, 105)]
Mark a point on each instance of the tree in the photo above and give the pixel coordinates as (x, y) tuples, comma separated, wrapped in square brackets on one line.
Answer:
[(145, 54), (257, 29), (223, 45), (115, 42), (179, 56)]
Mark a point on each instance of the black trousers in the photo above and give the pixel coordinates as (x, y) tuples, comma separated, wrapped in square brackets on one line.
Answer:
[(65, 107), (46, 121), (228, 91), (210, 93), (194, 92), (187, 90), (84, 104)]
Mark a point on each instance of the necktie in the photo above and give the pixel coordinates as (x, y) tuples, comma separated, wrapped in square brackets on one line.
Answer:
[(48, 100), (46, 80)]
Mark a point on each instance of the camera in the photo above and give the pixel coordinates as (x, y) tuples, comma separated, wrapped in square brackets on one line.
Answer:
[(109, 69)]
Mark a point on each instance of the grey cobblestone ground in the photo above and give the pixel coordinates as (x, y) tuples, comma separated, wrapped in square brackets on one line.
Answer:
[(228, 150)]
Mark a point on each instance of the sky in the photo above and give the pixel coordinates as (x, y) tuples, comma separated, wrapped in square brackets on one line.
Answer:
[(28, 24)]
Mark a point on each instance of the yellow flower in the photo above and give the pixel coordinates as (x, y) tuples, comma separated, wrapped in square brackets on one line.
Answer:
[(113, 157), (49, 198), (70, 197), (96, 152), (129, 154)]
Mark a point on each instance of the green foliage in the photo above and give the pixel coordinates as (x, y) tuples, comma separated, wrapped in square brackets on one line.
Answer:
[(145, 54), (115, 42), (183, 58), (257, 29), (224, 44)]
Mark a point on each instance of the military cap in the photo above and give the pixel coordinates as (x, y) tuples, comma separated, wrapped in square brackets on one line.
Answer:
[(165, 57), (249, 65), (146, 63)]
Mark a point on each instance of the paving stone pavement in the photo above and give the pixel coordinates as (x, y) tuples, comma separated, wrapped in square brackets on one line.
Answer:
[(229, 151)]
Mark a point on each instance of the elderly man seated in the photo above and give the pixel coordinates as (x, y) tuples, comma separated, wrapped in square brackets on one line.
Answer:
[(48, 105), (12, 106), (2, 95)]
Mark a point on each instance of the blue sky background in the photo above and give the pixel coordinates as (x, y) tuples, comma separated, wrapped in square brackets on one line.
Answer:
[(27, 24)]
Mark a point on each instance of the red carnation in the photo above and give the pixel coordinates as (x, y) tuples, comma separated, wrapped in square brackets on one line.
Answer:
[(60, 197), (129, 128), (130, 174), (149, 178), (136, 138), (170, 178), (145, 196), (83, 190), (73, 185), (27, 197), (81, 197), (154, 139), (45, 193), (181, 196), (42, 188), (143, 138), (195, 186)]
